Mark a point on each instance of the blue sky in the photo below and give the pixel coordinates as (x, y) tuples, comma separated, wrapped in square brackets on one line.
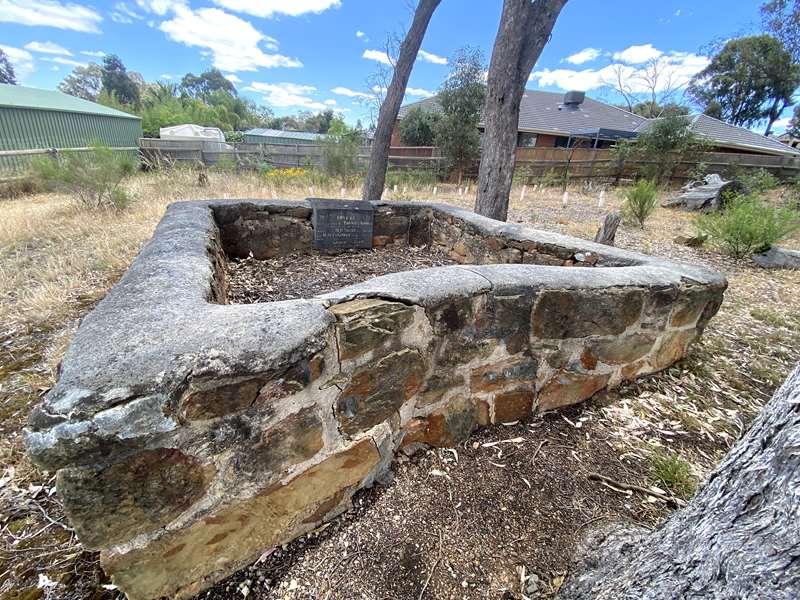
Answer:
[(311, 54)]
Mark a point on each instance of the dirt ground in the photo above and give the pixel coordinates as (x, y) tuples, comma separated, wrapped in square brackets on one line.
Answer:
[(470, 522), (305, 275)]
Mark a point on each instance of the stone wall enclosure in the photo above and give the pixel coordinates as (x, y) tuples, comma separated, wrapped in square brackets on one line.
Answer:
[(189, 435)]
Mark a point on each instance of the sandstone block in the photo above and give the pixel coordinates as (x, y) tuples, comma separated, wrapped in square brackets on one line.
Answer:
[(512, 371), (567, 388), (181, 562), (363, 325), (624, 349), (137, 494), (513, 406), (560, 314), (671, 347), (446, 427), (378, 389), (295, 439)]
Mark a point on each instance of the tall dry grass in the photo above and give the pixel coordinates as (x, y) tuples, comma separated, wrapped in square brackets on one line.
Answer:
[(56, 257)]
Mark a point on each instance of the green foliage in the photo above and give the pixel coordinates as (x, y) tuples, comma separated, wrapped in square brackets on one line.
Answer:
[(340, 151), (233, 136), (461, 99), (552, 178), (794, 125), (652, 109), (640, 201), (758, 181), (92, 177), (205, 84), (674, 473), (317, 123), (118, 82), (83, 82), (418, 126), (749, 80), (748, 225), (662, 147), (7, 74), (781, 18)]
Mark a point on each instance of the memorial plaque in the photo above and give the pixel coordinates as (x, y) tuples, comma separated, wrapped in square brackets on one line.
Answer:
[(341, 224)]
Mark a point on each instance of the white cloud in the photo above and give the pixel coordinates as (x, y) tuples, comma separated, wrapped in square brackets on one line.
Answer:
[(287, 95), (378, 55), (93, 53), (677, 69), (780, 125), (330, 102), (124, 14), (412, 91), (584, 56), (233, 42), (161, 7), (343, 91), (432, 58), (47, 48), (21, 60), (269, 8), (50, 13), (120, 18), (65, 61), (166, 76), (233, 78), (360, 34), (635, 55)]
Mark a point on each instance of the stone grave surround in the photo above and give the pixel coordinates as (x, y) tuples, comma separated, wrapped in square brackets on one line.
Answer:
[(190, 435)]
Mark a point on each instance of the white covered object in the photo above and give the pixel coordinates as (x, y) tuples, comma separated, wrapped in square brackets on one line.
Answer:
[(212, 137)]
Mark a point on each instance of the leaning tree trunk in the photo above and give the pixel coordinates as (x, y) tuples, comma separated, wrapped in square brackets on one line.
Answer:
[(738, 538), (524, 30), (379, 153)]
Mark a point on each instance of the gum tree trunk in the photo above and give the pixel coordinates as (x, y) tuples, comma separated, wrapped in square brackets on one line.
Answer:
[(525, 28), (379, 154), (738, 538)]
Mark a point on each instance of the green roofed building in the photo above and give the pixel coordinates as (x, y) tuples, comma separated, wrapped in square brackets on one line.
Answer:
[(34, 121)]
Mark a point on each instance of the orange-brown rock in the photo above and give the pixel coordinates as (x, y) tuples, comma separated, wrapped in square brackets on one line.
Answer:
[(567, 388)]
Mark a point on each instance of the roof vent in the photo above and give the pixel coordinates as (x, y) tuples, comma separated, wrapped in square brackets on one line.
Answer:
[(574, 98)]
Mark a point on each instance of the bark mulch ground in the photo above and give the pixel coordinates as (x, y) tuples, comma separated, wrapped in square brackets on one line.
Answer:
[(306, 275)]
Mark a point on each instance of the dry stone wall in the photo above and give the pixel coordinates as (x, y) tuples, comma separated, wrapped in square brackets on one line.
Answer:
[(188, 436)]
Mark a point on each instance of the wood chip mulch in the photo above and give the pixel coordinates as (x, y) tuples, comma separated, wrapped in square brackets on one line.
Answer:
[(306, 275)]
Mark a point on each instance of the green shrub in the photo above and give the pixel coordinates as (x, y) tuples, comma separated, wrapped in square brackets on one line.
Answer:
[(551, 179), (413, 178), (640, 201), (748, 225), (674, 473), (340, 150), (758, 181), (92, 177)]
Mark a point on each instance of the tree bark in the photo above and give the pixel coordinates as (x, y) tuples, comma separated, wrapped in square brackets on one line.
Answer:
[(379, 153), (525, 28), (738, 538)]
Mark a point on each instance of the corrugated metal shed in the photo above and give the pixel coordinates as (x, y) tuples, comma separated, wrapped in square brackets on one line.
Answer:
[(34, 120), (278, 136)]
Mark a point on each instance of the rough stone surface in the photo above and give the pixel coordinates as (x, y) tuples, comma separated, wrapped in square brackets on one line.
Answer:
[(778, 258), (188, 435)]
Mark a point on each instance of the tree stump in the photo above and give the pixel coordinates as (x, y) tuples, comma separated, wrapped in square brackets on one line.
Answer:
[(608, 230), (738, 538)]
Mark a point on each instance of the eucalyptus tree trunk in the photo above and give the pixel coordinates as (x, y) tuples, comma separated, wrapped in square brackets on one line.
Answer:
[(525, 28), (738, 538), (379, 153)]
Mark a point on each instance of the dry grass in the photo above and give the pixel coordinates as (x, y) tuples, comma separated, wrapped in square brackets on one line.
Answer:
[(56, 262)]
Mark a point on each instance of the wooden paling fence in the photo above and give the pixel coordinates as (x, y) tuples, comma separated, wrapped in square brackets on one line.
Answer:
[(532, 163)]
